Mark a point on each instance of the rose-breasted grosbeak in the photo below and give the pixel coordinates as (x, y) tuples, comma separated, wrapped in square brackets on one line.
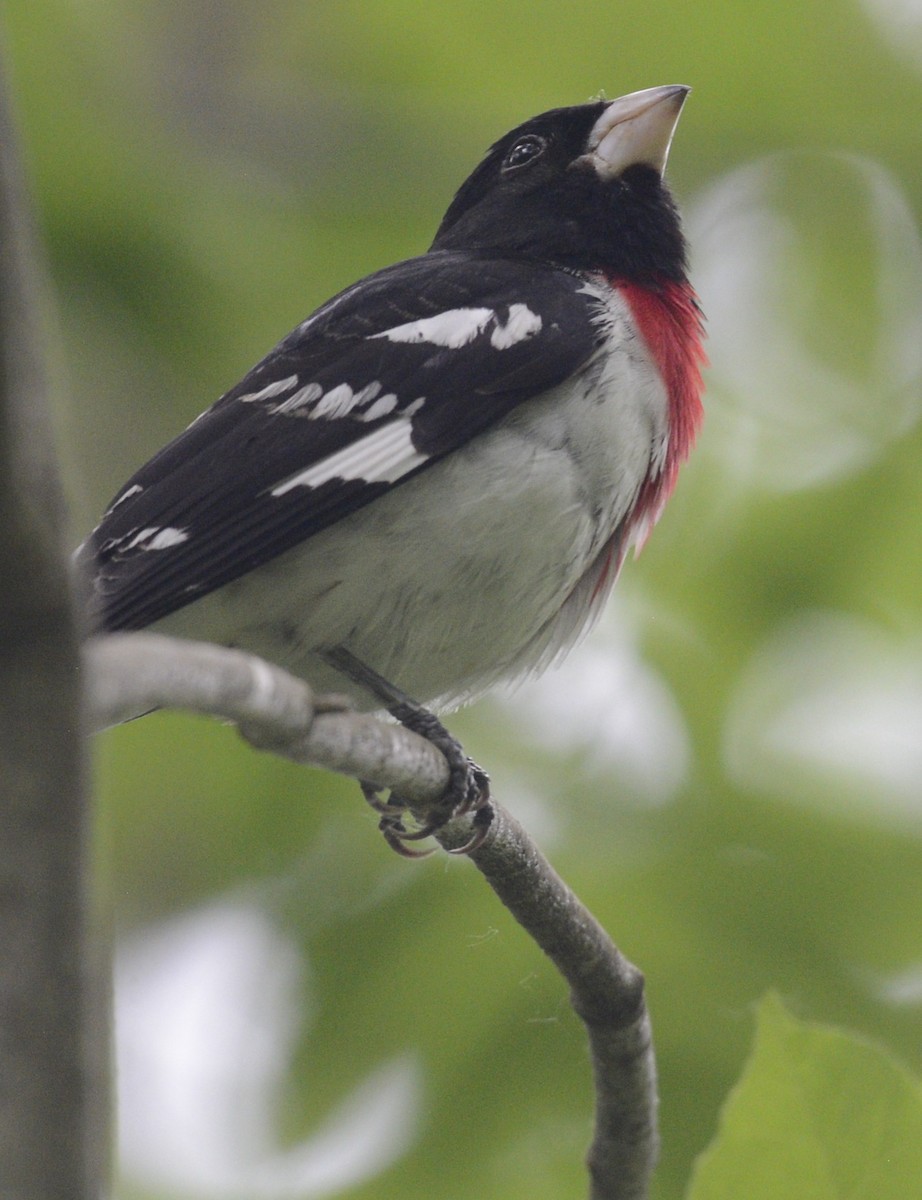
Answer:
[(438, 474)]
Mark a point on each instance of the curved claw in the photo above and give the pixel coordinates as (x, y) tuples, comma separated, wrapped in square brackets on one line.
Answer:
[(419, 835), (482, 822), (372, 794), (397, 837)]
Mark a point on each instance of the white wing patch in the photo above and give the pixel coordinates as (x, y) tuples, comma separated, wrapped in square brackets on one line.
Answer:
[(381, 407), (153, 537), (457, 327), (164, 538), (311, 401), (382, 456), (126, 495), (303, 396), (272, 389), (337, 402)]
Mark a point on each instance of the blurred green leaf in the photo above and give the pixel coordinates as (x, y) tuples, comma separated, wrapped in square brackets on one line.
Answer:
[(818, 1115)]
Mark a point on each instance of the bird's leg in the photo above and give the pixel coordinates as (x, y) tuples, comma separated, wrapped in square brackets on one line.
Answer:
[(468, 787)]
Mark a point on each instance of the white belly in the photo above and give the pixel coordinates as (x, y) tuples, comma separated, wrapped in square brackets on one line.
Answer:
[(458, 577)]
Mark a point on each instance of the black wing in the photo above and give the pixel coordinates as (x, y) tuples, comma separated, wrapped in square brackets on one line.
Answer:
[(383, 380)]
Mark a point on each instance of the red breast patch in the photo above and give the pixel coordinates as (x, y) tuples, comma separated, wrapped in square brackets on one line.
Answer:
[(669, 320)]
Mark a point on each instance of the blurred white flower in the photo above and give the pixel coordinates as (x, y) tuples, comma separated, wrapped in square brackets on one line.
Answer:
[(902, 989), (207, 1010), (809, 268), (835, 701), (899, 22), (605, 704)]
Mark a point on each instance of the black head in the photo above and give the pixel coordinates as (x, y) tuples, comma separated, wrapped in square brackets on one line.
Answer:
[(579, 187)]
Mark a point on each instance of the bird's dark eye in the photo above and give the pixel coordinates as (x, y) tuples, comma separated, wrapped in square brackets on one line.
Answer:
[(524, 151)]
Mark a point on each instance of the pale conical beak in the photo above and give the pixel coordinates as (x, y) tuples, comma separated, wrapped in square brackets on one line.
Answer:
[(636, 129)]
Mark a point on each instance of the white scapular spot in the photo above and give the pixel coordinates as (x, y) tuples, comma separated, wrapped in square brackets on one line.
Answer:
[(382, 456), (522, 324), (452, 329), (458, 327)]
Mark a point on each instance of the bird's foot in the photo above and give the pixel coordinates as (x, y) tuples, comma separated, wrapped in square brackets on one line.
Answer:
[(468, 789)]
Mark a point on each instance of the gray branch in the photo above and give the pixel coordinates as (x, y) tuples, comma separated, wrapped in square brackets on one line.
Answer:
[(130, 674), (133, 673)]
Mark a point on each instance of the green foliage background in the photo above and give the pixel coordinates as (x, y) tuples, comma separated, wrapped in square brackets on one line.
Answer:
[(205, 175)]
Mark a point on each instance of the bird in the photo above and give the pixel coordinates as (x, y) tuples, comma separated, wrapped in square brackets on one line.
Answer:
[(430, 484)]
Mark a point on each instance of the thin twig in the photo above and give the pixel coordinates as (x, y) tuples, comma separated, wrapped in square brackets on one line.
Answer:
[(133, 673), (606, 992)]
